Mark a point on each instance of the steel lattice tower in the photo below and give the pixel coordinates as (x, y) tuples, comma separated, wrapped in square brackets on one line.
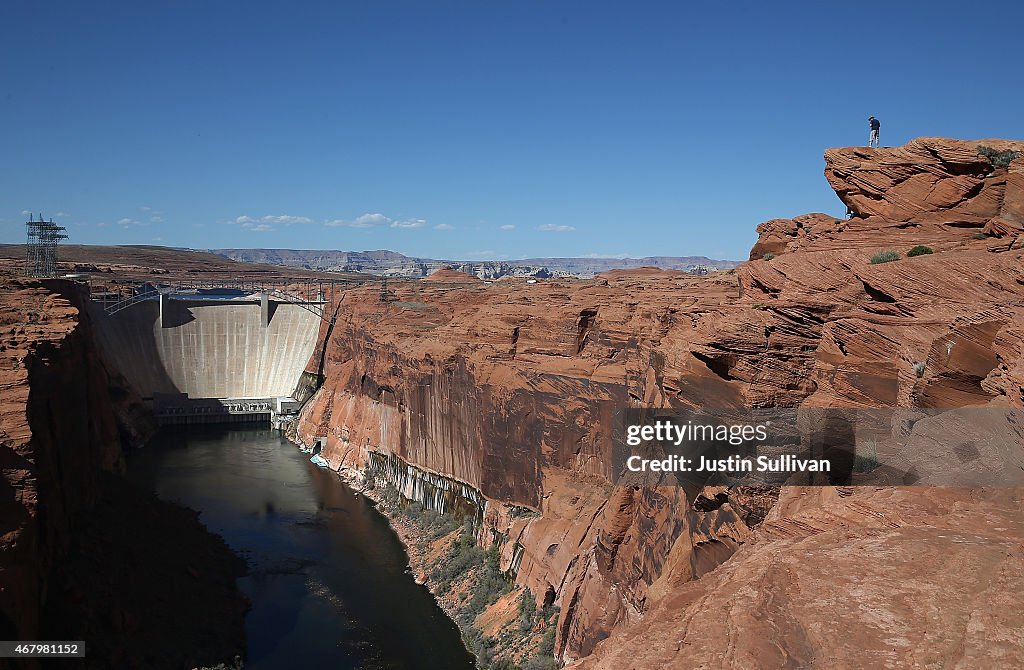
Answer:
[(41, 259)]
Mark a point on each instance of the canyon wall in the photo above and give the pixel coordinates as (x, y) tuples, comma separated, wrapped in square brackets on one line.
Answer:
[(517, 390), (84, 555), (63, 419)]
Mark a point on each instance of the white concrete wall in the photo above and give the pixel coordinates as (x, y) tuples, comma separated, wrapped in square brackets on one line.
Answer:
[(209, 349)]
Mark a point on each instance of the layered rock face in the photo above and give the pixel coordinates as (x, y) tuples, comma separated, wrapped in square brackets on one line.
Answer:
[(83, 554), (517, 390), (930, 191), (60, 428)]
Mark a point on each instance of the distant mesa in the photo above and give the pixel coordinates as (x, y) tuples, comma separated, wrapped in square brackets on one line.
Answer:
[(646, 271), (384, 263), (447, 274)]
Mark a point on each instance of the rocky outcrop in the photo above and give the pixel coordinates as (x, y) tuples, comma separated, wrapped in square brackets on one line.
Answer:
[(929, 191), (516, 390)]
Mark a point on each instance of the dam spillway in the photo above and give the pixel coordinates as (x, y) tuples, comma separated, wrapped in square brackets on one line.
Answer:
[(199, 357)]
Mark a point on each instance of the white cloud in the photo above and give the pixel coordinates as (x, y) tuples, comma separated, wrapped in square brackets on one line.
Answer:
[(368, 220), (409, 223), (280, 219), (508, 226), (286, 220), (374, 219), (553, 228), (444, 226), (25, 212), (61, 214), (263, 224), (155, 215), (126, 222)]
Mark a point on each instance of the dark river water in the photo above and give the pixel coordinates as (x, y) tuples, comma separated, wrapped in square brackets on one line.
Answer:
[(327, 577)]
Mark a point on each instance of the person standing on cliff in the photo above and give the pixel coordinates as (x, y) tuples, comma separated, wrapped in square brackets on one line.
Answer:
[(873, 137)]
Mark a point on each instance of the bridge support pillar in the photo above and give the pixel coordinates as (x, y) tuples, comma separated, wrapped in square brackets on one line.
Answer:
[(264, 309)]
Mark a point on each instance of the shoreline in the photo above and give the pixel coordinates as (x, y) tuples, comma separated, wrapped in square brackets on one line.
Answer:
[(499, 622), (405, 531)]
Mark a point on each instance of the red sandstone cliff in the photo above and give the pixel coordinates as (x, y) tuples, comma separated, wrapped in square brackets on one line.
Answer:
[(932, 191), (59, 431), (514, 388), (83, 555)]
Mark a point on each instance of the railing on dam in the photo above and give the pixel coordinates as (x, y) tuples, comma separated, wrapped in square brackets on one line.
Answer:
[(179, 409), (309, 295)]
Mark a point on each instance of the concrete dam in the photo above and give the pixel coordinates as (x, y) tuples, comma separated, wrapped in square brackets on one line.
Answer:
[(211, 358)]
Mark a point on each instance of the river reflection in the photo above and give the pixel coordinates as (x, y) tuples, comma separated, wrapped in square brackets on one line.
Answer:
[(327, 576)]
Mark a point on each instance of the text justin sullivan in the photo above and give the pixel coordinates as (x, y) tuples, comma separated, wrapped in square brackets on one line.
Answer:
[(784, 463)]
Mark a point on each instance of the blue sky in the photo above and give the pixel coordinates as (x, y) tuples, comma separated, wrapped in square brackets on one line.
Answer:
[(473, 129)]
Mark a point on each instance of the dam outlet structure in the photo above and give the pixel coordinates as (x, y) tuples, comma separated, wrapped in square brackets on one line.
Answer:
[(220, 357)]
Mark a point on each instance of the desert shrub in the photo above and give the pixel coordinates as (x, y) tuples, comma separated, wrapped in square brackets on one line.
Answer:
[(768, 256), (490, 585), (479, 645), (486, 586), (462, 555), (389, 494), (527, 611), (997, 158), (865, 463), (369, 477), (887, 256), (541, 663), (547, 643), (920, 250), (980, 236)]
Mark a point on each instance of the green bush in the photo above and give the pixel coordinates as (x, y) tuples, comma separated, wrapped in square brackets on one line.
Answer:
[(980, 236), (997, 158), (463, 555), (369, 478), (547, 643), (768, 256), (527, 612), (885, 257), (541, 663), (434, 524), (865, 463), (920, 250)]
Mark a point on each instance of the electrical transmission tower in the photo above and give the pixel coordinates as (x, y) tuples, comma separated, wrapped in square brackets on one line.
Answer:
[(41, 249)]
